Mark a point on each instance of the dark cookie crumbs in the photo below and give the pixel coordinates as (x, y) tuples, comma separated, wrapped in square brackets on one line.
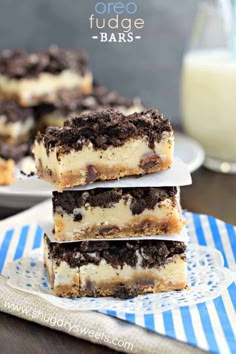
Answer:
[(141, 198), (153, 252), (104, 129), (19, 64), (13, 112), (15, 152), (68, 101)]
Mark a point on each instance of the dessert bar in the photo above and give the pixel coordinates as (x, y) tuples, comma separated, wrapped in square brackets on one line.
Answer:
[(104, 145), (6, 172), (70, 102), (16, 122), (9, 155), (30, 78), (122, 269), (116, 212)]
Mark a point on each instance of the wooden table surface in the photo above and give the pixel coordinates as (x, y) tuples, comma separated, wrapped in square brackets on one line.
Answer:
[(211, 193)]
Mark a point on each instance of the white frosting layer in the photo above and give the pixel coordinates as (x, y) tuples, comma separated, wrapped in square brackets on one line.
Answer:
[(44, 84)]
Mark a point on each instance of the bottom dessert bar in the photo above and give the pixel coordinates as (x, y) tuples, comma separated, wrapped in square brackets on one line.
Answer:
[(122, 269)]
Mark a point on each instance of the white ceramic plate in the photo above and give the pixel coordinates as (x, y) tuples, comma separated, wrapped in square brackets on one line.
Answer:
[(186, 149), (189, 151)]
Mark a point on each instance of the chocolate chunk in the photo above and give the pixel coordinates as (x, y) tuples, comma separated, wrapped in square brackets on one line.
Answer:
[(30, 174), (109, 230), (118, 254), (78, 217), (91, 174), (19, 64), (106, 128), (150, 161), (141, 198), (144, 225)]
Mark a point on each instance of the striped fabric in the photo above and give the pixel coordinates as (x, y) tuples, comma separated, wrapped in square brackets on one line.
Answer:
[(210, 326)]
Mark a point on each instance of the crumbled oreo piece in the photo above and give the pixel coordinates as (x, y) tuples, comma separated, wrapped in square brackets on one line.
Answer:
[(104, 129), (18, 64), (13, 112), (118, 254), (141, 198), (15, 152), (73, 101)]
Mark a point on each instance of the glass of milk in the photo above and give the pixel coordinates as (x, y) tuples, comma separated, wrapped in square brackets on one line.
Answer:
[(208, 92)]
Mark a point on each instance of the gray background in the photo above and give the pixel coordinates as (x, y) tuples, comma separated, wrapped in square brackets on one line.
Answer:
[(149, 67)]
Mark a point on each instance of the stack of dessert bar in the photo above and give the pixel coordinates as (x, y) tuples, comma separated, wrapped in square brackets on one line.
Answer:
[(41, 89), (111, 241)]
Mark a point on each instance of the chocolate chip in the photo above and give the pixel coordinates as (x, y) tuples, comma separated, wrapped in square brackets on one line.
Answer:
[(150, 161), (144, 225), (91, 174), (78, 217), (109, 230)]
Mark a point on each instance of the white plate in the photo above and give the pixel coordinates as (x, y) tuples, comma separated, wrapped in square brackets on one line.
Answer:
[(189, 151), (186, 149)]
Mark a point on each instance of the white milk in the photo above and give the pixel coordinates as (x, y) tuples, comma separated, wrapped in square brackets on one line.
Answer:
[(209, 101)]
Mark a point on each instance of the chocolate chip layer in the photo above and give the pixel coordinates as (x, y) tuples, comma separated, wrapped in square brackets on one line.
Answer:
[(116, 253), (69, 101), (104, 129), (18, 64), (141, 198), (13, 112)]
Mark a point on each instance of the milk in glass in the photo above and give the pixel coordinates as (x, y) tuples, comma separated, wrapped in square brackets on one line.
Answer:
[(209, 101)]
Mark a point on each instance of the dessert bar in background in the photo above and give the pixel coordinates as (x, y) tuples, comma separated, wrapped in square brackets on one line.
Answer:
[(104, 145), (70, 102), (15, 152), (16, 122), (32, 78), (116, 212), (6, 171), (121, 269)]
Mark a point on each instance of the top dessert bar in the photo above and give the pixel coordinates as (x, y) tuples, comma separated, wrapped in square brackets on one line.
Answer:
[(104, 145), (73, 102), (31, 78)]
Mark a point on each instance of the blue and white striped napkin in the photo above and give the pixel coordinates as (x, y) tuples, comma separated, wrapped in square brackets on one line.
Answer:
[(210, 326)]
